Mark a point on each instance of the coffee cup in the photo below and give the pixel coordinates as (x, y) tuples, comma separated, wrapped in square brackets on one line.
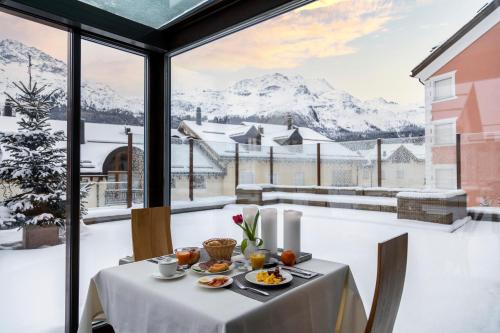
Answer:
[(167, 267)]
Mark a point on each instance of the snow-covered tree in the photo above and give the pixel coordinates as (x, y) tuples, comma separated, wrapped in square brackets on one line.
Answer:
[(36, 161)]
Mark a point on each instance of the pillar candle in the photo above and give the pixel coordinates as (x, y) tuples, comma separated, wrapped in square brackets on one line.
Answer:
[(249, 213), (269, 222), (291, 228)]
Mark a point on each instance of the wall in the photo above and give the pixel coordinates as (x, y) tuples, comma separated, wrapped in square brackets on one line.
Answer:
[(477, 109)]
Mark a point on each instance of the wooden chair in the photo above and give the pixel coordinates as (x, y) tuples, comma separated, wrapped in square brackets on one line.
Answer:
[(391, 271), (151, 236)]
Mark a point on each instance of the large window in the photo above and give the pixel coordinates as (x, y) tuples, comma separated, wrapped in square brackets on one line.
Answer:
[(32, 187), (112, 155)]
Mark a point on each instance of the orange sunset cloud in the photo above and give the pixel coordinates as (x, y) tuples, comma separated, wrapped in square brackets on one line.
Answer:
[(321, 29)]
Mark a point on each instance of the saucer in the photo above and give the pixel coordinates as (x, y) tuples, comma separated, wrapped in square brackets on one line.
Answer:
[(271, 263), (176, 275)]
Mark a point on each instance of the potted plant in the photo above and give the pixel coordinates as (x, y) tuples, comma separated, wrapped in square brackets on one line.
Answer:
[(251, 243)]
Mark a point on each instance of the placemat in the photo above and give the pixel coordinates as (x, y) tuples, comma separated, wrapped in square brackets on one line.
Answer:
[(274, 291)]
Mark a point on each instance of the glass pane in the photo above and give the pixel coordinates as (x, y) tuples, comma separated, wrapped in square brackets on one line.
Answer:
[(294, 165), (443, 88), (254, 164), (403, 162), (112, 155), (179, 171), (32, 247), (152, 13), (212, 166), (480, 154), (349, 163)]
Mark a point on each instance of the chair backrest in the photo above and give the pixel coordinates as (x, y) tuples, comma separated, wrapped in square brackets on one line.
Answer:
[(391, 271), (151, 235)]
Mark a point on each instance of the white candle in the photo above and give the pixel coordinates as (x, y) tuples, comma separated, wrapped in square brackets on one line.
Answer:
[(249, 213), (291, 234), (269, 221)]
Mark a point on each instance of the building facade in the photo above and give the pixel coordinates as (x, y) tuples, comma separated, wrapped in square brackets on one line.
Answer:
[(462, 81)]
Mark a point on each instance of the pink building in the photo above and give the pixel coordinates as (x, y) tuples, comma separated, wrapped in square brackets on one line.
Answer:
[(462, 93)]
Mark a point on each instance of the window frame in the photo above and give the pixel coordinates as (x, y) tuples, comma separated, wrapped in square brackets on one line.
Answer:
[(452, 168), (447, 121), (444, 76)]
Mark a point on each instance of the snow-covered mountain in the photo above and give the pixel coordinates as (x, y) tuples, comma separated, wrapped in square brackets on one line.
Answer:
[(268, 98), (312, 103), (51, 71)]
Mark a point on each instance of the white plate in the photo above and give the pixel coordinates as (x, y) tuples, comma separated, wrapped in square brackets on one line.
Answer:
[(196, 268), (229, 281), (178, 274), (252, 278)]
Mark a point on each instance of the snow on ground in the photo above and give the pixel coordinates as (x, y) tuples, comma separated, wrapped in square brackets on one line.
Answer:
[(452, 282), (177, 204)]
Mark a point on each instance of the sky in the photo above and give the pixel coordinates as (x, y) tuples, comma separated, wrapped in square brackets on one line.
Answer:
[(366, 47), (122, 71)]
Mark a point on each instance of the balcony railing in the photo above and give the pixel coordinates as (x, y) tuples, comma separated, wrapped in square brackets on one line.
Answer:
[(469, 161), (114, 197)]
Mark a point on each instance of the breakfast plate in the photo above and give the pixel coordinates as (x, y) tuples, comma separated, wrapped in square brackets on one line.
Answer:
[(212, 267), (263, 277), (176, 275), (215, 281)]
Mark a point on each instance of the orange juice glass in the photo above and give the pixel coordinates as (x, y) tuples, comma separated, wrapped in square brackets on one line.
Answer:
[(257, 260), (183, 257)]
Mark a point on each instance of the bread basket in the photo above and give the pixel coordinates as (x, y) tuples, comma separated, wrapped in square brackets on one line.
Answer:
[(220, 248)]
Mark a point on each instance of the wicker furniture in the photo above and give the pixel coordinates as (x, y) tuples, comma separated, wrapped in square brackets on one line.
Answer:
[(436, 207)]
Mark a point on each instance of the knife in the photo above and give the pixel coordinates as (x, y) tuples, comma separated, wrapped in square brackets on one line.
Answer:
[(299, 271)]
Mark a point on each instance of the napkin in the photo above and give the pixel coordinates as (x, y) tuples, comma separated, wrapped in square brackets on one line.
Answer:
[(291, 228)]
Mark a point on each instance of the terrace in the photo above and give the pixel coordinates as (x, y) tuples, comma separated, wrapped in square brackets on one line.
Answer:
[(439, 265), (153, 152)]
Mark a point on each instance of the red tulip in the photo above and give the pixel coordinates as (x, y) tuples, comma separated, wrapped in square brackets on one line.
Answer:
[(238, 219)]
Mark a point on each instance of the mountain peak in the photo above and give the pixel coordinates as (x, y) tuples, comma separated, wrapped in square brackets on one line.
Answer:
[(314, 103), (52, 72), (13, 51)]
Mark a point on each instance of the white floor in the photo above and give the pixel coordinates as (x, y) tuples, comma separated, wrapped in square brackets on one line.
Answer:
[(452, 284)]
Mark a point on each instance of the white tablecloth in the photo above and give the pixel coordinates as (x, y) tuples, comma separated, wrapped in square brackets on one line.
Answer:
[(134, 302)]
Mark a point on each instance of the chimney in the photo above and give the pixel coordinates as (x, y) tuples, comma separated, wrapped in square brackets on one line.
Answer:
[(198, 116), (261, 130), (82, 131), (7, 110), (289, 122)]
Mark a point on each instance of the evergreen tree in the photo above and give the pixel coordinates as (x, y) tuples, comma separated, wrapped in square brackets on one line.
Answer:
[(35, 162)]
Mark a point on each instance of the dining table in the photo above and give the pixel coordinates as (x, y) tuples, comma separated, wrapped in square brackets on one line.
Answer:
[(131, 300)]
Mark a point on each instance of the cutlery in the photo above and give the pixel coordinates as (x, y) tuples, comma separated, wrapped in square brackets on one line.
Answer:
[(301, 275), (242, 287), (298, 270)]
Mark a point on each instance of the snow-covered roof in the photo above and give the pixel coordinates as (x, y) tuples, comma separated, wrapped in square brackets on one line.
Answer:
[(102, 139), (174, 133), (272, 131), (202, 163), (218, 138)]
